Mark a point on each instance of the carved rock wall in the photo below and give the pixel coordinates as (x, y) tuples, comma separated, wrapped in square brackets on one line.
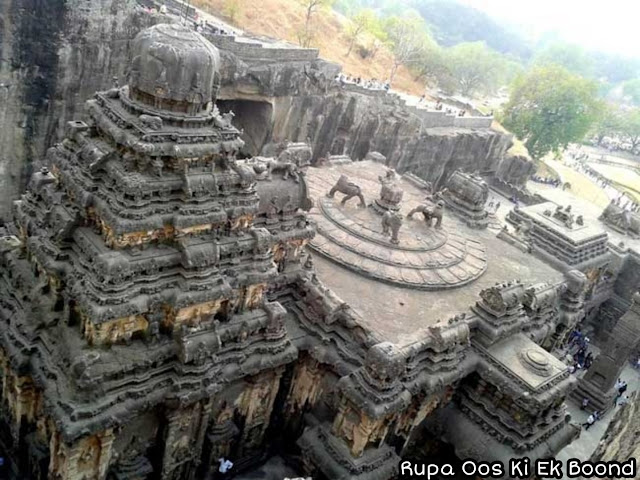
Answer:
[(53, 56), (354, 124), (620, 441)]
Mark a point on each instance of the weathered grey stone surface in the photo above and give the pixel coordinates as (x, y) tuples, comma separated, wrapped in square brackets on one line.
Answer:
[(53, 56), (159, 309), (277, 94)]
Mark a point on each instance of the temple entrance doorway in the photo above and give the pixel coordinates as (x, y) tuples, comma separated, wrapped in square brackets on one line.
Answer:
[(254, 118)]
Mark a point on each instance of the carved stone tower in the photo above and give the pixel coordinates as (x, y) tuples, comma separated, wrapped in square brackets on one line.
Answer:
[(134, 287)]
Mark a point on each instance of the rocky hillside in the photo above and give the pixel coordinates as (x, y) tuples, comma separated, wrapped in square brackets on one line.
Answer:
[(283, 19)]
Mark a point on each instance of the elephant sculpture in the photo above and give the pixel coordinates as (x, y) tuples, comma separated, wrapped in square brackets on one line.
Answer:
[(288, 169), (264, 168), (624, 220), (391, 223), (349, 189), (430, 213)]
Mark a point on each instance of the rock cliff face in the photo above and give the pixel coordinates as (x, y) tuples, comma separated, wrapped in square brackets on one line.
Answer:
[(295, 99), (620, 442), (53, 55)]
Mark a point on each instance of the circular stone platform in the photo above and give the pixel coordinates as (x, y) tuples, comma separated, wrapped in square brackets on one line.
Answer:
[(536, 362), (426, 258)]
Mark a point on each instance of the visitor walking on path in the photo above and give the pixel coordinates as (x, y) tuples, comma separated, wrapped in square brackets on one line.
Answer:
[(225, 466), (590, 421)]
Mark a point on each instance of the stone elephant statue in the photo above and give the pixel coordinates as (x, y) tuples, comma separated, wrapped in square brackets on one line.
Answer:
[(349, 189), (430, 213), (391, 223)]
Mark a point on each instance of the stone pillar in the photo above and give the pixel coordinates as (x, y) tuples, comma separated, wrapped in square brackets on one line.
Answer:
[(183, 441), (256, 405), (571, 309), (371, 400), (88, 458), (598, 384), (219, 440)]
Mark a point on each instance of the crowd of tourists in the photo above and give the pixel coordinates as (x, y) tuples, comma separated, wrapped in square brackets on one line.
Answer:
[(198, 23), (578, 351), (554, 182), (438, 106), (371, 84)]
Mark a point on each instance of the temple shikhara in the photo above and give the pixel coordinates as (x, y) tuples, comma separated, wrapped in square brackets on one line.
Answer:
[(168, 301)]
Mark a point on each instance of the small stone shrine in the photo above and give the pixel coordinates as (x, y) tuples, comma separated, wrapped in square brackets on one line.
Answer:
[(561, 236), (466, 195)]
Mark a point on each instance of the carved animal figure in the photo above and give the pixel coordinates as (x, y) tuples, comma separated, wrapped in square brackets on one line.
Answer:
[(223, 120), (264, 167), (391, 223), (618, 217), (150, 121), (350, 190), (290, 169), (436, 212), (298, 153)]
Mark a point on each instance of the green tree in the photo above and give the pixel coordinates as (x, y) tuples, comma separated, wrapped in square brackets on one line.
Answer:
[(631, 89), (572, 57), (432, 67), (630, 128), (467, 68), (378, 36), (233, 9), (362, 22), (311, 7), (477, 68), (608, 124), (549, 108), (408, 38)]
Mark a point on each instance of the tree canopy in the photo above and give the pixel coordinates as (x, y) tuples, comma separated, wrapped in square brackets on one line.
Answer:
[(572, 57), (609, 123), (631, 89), (409, 39), (630, 127), (364, 21), (550, 107), (311, 7)]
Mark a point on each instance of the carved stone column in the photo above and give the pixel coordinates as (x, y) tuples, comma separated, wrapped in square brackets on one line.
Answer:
[(256, 405), (183, 441), (370, 401), (598, 384), (571, 309), (88, 458)]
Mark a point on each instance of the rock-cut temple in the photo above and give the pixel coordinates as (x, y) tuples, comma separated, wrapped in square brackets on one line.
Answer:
[(165, 302)]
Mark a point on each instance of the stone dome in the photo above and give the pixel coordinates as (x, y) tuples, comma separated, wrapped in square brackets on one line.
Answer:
[(174, 68)]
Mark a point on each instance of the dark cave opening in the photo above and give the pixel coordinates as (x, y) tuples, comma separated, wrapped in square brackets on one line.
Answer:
[(255, 118)]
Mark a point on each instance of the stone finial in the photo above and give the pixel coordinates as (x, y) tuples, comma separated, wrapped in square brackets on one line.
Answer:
[(174, 68)]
